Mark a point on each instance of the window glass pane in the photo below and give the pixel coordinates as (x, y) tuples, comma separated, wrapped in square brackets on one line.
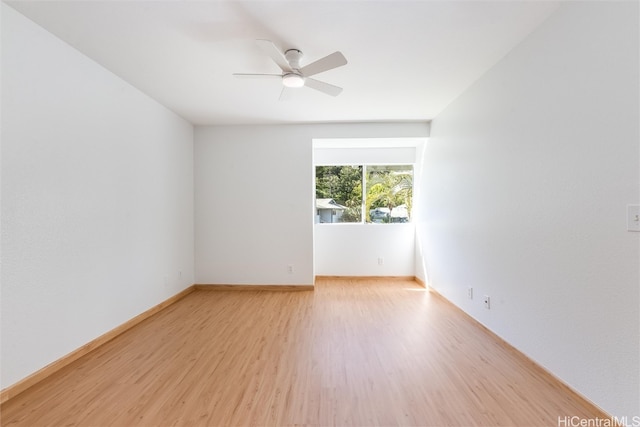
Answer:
[(338, 194), (389, 194)]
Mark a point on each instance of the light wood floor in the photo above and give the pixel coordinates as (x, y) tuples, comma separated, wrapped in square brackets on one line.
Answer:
[(352, 352)]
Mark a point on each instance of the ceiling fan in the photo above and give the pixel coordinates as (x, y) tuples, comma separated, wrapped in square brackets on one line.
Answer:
[(294, 76)]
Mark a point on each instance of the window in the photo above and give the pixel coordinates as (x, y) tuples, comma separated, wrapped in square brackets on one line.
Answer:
[(364, 193), (389, 191), (338, 194)]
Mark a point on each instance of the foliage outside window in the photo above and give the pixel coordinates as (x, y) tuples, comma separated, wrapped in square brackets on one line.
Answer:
[(364, 193)]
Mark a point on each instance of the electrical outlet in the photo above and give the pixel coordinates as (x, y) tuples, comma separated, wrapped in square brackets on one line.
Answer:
[(470, 293), (290, 269), (380, 261), (487, 302)]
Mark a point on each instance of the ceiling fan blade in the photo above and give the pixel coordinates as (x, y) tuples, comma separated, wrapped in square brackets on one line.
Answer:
[(274, 53), (322, 87), (336, 59), (259, 76), (285, 94)]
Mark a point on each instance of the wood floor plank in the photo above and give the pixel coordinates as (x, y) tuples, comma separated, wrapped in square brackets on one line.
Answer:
[(352, 352)]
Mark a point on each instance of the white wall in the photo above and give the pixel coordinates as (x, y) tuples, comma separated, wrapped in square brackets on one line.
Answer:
[(419, 209), (97, 200), (260, 178), (354, 249), (527, 178)]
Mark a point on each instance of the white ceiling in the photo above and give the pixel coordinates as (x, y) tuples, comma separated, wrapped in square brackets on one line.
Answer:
[(407, 59)]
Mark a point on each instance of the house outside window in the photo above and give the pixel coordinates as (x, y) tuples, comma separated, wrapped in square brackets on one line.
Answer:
[(328, 211)]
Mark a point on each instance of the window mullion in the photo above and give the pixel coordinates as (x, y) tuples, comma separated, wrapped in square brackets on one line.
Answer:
[(363, 215)]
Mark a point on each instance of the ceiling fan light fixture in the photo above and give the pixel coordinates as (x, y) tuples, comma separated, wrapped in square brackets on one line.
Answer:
[(292, 80)]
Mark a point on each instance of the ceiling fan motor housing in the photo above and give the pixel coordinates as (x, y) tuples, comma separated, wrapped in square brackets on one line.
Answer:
[(293, 58)]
